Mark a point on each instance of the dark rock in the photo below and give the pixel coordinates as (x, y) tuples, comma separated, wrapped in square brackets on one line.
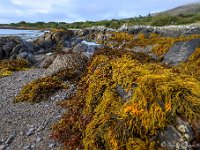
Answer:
[(196, 127), (181, 51), (14, 45), (122, 93), (53, 40), (80, 48), (85, 32), (7, 50), (9, 46), (13, 56), (171, 139), (26, 56), (76, 41), (1, 54), (16, 49), (185, 129)]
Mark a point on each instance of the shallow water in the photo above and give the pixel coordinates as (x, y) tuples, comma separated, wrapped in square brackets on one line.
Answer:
[(28, 35)]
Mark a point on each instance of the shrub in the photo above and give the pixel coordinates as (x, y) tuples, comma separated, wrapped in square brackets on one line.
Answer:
[(162, 20)]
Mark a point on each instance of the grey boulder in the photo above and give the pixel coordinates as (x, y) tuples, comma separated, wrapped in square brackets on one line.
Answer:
[(180, 52)]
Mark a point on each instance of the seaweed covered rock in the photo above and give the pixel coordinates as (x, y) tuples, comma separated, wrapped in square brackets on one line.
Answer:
[(99, 117), (155, 45), (67, 64), (13, 47), (8, 66), (181, 51), (192, 66)]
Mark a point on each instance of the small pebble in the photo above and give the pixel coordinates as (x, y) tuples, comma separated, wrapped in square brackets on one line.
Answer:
[(40, 128), (38, 139), (30, 131), (9, 139), (32, 145), (21, 133), (27, 147), (2, 147), (51, 145), (46, 105)]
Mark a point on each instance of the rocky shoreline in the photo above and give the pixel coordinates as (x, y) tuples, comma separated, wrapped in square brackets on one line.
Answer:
[(28, 125)]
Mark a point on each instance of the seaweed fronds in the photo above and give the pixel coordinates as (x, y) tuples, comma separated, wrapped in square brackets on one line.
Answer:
[(159, 94), (40, 89), (8, 66), (192, 66), (160, 44)]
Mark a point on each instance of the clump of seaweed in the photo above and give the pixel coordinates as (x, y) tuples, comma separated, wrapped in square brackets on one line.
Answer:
[(40, 89), (192, 66), (99, 118), (8, 66)]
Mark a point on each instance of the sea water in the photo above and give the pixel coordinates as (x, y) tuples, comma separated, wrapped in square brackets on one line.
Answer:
[(28, 35)]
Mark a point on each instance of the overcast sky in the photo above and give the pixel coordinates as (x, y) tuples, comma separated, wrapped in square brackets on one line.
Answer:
[(80, 10)]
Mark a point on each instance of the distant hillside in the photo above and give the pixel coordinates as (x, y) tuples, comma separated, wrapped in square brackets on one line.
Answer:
[(186, 14), (185, 9)]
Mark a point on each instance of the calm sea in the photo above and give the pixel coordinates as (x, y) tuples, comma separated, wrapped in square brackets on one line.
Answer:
[(25, 34)]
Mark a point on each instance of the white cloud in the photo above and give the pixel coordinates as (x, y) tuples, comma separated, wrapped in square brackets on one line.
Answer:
[(40, 6), (80, 10)]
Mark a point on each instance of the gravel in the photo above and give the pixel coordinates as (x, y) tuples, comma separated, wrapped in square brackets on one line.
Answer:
[(25, 125)]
